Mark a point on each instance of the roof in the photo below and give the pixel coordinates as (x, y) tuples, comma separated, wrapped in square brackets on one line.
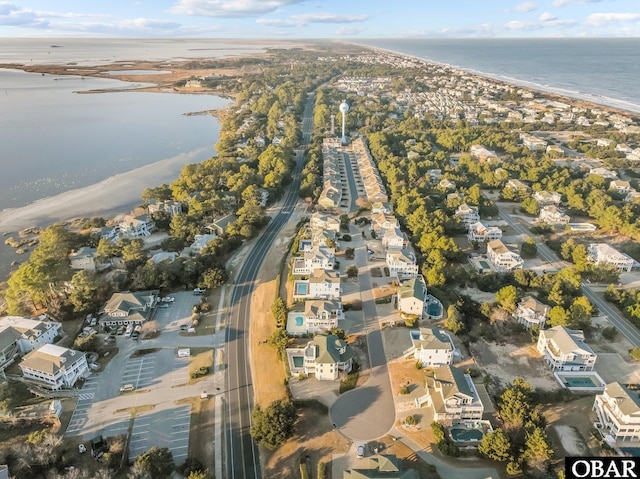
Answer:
[(498, 247), (529, 302), (382, 467), (327, 349), (433, 338), (21, 327), (627, 401), (321, 275), (314, 308), (568, 340), (452, 381), (413, 288), (50, 359)]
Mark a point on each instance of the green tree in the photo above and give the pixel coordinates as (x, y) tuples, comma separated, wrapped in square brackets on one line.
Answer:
[(507, 298), (530, 206), (156, 461), (454, 321), (83, 292), (214, 277), (201, 475), (273, 425), (133, 251), (580, 311), (537, 450), (558, 316), (496, 445), (279, 311), (514, 404), (529, 249), (352, 271), (556, 295)]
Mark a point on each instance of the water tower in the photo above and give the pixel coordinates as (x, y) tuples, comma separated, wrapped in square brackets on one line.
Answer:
[(344, 108)]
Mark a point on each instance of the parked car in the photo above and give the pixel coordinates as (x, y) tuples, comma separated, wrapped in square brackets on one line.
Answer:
[(127, 388), (164, 305), (184, 327), (198, 291), (361, 450), (120, 330), (135, 335), (109, 339), (168, 299)]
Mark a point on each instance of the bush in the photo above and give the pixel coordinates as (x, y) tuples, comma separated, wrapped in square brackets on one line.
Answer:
[(513, 468), (349, 382), (609, 333), (411, 420), (410, 321), (273, 425), (349, 253), (635, 353), (346, 238), (322, 470), (404, 389)]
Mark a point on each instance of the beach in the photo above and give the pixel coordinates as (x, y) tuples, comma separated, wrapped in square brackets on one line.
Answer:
[(115, 195)]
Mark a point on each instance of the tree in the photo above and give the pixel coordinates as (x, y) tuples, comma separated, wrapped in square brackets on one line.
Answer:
[(454, 321), (537, 450), (272, 426), (352, 272), (200, 475), (558, 316), (496, 445), (507, 298), (530, 206), (214, 277), (279, 310), (156, 461), (529, 249), (514, 407)]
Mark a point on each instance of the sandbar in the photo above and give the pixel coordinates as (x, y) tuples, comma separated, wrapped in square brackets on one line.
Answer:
[(117, 194)]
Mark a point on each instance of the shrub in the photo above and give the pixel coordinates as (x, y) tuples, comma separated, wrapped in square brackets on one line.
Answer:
[(513, 468), (609, 333), (410, 321), (404, 389), (635, 353), (346, 238), (411, 420), (322, 470)]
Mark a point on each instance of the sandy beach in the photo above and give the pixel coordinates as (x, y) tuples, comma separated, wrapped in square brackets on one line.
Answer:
[(112, 196)]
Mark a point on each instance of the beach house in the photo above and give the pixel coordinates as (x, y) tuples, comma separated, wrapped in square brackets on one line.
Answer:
[(325, 357), (84, 258), (564, 349), (19, 336), (603, 254), (169, 207), (318, 257), (468, 215), (325, 222), (136, 226), (547, 197), (481, 233), (54, 367), (552, 215), (322, 315), (452, 396), (531, 312), (401, 263), (617, 412), (502, 260), (381, 467), (394, 239), (200, 242), (432, 347), (411, 296)]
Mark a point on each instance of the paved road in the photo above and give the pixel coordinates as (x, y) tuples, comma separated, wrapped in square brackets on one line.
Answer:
[(620, 322), (241, 451)]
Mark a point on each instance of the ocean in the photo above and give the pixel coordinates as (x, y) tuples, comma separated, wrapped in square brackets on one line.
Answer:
[(600, 70)]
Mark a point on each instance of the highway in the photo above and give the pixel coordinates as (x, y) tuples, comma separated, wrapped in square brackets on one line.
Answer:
[(242, 460), (627, 329)]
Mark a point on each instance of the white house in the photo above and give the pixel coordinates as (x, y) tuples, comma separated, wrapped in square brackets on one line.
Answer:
[(128, 308), (618, 413), (319, 257), (54, 367), (411, 296), (604, 172), (620, 186), (452, 395), (432, 347), (324, 284), (479, 232), (447, 184), (381, 222), (531, 312), (502, 260), (19, 336), (603, 254), (481, 153), (564, 349), (547, 197), (552, 215), (326, 222), (401, 263), (200, 242), (532, 143), (518, 185), (381, 207), (84, 258), (170, 207), (468, 214), (322, 315), (394, 239), (324, 357), (136, 226)]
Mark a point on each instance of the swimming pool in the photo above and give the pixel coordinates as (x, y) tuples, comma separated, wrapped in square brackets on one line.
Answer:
[(301, 288), (299, 320), (466, 435), (579, 382)]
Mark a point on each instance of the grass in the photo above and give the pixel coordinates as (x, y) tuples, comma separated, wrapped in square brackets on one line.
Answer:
[(134, 411), (349, 382), (200, 358), (142, 352)]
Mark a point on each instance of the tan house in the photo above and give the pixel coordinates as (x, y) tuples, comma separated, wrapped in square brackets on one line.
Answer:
[(564, 349), (531, 312), (452, 396), (618, 413), (54, 367)]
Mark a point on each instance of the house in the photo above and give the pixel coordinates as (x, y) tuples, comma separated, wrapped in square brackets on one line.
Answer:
[(381, 222), (84, 258), (111, 233), (604, 172), (552, 215), (322, 237), (170, 207), (381, 207), (452, 395), (481, 233), (394, 239), (381, 467), (603, 254), (432, 347), (502, 260), (481, 153), (19, 336), (54, 367), (219, 226), (322, 315), (324, 284), (518, 185), (168, 256), (531, 312), (564, 349), (128, 308), (620, 186), (411, 296), (326, 222), (447, 184), (324, 357), (434, 174), (200, 242), (330, 197), (136, 226), (319, 257), (467, 214), (532, 143), (401, 263), (618, 412), (547, 197)]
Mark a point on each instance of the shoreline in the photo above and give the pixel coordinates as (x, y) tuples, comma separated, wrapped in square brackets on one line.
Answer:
[(547, 90), (108, 196)]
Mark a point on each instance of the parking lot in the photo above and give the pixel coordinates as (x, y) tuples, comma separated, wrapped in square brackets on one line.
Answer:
[(155, 380)]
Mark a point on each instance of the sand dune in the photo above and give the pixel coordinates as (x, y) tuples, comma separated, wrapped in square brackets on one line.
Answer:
[(117, 194)]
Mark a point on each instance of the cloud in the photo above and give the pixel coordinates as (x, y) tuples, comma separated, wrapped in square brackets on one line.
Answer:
[(14, 16), (306, 18), (349, 30), (564, 3), (547, 17), (272, 22), (601, 19), (229, 8), (524, 7)]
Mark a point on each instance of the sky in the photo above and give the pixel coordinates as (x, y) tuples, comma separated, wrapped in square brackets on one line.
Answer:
[(320, 18)]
